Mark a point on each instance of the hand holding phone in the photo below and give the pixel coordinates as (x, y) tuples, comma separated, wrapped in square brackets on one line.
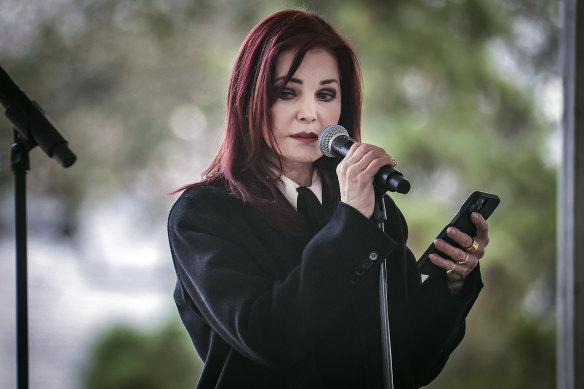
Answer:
[(481, 202)]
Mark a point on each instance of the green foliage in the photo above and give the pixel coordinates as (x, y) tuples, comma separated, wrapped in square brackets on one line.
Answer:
[(127, 358)]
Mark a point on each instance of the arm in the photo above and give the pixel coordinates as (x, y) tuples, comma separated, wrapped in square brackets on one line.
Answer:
[(228, 274), (430, 317), (439, 319), (434, 317)]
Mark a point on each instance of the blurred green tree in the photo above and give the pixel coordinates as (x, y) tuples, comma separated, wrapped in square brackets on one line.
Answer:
[(127, 358)]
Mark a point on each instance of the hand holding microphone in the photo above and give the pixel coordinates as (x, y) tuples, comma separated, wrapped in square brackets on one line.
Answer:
[(334, 141), (364, 168)]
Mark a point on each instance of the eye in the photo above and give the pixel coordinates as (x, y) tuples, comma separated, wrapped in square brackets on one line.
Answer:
[(326, 95), (287, 94)]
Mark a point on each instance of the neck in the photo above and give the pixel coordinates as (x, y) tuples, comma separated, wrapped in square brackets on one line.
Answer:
[(302, 175)]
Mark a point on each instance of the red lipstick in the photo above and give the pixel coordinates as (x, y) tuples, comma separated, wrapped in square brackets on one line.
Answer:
[(305, 137)]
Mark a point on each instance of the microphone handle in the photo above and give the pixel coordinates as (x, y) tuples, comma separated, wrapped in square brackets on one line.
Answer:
[(387, 178), (390, 179), (341, 145)]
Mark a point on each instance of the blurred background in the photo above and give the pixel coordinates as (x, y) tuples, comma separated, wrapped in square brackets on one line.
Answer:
[(466, 94)]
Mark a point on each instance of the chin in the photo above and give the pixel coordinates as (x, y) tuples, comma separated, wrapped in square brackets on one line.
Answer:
[(312, 158)]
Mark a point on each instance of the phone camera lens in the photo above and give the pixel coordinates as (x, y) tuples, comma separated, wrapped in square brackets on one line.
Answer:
[(477, 205)]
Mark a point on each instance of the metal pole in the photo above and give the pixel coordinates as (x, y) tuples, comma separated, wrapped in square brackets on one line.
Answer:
[(380, 216), (570, 263), (20, 166)]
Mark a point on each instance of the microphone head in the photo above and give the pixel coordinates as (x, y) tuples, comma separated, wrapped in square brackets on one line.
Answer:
[(327, 136)]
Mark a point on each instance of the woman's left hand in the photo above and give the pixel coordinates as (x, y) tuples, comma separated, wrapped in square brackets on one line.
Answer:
[(463, 261)]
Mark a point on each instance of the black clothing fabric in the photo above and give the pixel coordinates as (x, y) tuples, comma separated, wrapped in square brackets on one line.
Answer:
[(266, 309), (311, 208)]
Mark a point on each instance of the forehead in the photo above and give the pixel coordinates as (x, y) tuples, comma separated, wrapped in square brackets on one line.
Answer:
[(317, 63)]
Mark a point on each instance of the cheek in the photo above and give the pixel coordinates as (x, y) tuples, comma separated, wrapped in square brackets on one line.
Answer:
[(281, 113), (332, 113), (337, 114)]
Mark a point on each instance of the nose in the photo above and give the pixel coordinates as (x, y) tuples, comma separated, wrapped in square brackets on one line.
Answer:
[(307, 111)]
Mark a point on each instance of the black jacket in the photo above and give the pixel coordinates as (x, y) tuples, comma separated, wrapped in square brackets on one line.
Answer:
[(266, 310)]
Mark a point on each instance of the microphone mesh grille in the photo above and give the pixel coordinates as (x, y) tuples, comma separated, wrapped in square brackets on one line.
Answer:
[(327, 136)]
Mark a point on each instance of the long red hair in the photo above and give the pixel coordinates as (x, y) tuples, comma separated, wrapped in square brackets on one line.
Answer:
[(243, 162)]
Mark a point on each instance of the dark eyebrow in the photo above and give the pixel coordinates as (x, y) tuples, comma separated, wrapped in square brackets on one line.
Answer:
[(297, 81), (331, 81)]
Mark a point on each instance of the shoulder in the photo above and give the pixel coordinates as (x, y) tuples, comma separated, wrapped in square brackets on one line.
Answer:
[(207, 208), (202, 202), (205, 197), (205, 193)]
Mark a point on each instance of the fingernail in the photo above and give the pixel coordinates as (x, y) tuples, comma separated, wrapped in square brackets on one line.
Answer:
[(451, 231)]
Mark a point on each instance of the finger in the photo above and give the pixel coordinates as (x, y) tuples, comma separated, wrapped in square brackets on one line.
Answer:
[(455, 253), (366, 168), (347, 161), (482, 228), (460, 238), (359, 150), (379, 153), (353, 149), (362, 162), (378, 162), (442, 262), (465, 242), (366, 159), (460, 257), (347, 165), (453, 271)]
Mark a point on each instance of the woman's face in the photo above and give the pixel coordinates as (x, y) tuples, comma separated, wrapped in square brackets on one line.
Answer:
[(309, 102)]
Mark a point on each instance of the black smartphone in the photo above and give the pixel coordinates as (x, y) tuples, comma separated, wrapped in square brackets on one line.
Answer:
[(484, 203)]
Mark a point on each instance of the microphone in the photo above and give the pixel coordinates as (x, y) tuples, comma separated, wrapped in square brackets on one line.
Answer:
[(31, 123), (334, 141)]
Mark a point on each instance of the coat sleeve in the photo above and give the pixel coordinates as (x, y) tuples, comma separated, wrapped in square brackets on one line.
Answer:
[(222, 267), (440, 319), (435, 318)]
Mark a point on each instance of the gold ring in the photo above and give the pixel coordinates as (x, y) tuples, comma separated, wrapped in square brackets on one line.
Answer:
[(463, 262), (473, 248), (450, 270)]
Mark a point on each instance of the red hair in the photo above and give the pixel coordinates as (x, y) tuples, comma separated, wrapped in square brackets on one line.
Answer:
[(242, 164)]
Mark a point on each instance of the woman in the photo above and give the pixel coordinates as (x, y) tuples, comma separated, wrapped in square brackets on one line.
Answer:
[(275, 299)]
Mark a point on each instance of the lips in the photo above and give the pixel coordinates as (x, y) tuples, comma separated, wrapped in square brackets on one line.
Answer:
[(305, 137)]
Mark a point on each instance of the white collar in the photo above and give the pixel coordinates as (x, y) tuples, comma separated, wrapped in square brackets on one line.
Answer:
[(288, 188)]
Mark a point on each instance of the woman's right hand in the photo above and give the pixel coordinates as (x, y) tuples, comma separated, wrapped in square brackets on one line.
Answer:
[(356, 172)]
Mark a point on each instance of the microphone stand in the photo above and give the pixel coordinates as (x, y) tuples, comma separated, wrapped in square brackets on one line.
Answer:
[(380, 217), (31, 128), (20, 165)]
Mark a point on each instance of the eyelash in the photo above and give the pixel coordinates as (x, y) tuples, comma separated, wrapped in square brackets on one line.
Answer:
[(325, 95), (287, 94), (328, 95)]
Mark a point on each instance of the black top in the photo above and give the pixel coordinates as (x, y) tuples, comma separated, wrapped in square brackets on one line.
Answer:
[(266, 309)]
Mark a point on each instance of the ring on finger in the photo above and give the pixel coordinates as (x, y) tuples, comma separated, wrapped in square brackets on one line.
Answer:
[(463, 262), (451, 269), (473, 248)]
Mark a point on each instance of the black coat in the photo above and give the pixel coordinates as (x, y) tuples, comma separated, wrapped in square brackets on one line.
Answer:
[(266, 310)]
